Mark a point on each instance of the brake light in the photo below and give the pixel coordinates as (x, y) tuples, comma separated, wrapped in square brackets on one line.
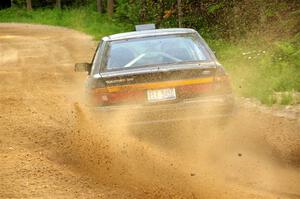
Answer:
[(192, 90), (102, 97), (222, 82), (98, 97)]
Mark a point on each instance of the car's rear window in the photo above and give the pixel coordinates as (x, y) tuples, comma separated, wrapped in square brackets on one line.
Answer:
[(155, 51)]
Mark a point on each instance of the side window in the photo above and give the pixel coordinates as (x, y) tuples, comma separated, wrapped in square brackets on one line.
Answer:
[(97, 59)]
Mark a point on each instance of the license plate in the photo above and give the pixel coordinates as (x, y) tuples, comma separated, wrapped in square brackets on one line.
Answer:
[(161, 95)]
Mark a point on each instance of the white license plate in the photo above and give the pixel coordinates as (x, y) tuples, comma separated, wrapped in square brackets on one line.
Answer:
[(161, 95)]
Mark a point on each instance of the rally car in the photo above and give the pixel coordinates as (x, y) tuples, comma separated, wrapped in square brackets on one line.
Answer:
[(157, 75)]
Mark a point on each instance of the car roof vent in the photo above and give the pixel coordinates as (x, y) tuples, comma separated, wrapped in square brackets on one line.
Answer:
[(145, 27)]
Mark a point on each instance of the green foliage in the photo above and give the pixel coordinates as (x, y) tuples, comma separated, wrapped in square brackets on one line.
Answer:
[(127, 12), (214, 18), (146, 11), (214, 8)]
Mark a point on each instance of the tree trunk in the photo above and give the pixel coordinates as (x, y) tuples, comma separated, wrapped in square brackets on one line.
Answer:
[(180, 14), (161, 13), (110, 7), (28, 4), (143, 11), (100, 6), (58, 4)]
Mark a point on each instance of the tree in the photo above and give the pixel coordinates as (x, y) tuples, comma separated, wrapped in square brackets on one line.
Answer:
[(100, 6), (110, 7), (58, 4), (161, 12), (29, 4), (143, 11), (180, 14)]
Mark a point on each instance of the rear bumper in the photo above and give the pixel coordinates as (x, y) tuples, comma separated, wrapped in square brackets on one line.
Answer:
[(192, 109)]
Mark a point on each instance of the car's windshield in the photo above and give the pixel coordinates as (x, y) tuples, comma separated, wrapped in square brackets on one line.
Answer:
[(155, 51)]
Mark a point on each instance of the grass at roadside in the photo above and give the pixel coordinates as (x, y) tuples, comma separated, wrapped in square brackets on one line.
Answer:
[(268, 71), (258, 69), (83, 19)]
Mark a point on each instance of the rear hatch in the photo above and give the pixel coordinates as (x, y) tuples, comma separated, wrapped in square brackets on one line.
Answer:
[(157, 85)]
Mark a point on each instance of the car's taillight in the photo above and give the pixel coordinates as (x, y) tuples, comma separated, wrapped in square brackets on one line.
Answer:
[(194, 90), (101, 96), (221, 82), (98, 96)]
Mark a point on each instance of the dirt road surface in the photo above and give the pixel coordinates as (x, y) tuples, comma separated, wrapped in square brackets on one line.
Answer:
[(50, 147)]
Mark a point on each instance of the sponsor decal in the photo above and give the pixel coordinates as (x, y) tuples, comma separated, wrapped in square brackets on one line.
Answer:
[(116, 81)]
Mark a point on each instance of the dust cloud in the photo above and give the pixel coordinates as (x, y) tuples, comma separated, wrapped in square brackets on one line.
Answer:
[(185, 159)]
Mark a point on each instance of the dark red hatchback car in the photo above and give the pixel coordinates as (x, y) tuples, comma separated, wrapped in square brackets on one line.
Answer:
[(157, 75)]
